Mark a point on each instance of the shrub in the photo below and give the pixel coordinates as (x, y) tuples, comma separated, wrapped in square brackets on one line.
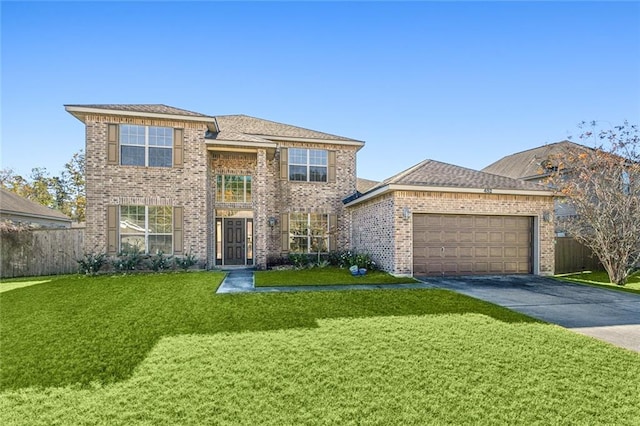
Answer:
[(160, 262), (91, 263), (348, 258), (187, 261), (127, 260)]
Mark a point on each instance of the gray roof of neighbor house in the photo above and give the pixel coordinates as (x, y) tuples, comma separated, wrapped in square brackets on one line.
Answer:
[(530, 164), (12, 203), (238, 128)]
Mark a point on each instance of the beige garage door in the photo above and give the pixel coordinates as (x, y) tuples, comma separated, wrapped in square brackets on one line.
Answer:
[(469, 244)]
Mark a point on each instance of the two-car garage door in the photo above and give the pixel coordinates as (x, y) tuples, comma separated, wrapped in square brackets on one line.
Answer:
[(471, 244)]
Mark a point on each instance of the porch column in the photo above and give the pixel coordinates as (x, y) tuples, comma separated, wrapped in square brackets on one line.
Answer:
[(260, 219)]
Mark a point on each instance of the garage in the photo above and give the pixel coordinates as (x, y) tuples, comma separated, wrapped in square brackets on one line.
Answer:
[(450, 244)]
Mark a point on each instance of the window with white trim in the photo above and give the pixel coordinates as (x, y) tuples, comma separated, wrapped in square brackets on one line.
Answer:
[(308, 165), (148, 229), (308, 232), (233, 189), (146, 146)]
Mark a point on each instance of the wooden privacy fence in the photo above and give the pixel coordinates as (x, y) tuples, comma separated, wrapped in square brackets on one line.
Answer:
[(571, 256), (34, 252)]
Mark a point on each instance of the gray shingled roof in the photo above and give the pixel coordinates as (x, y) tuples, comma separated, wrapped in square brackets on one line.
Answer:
[(13, 203), (364, 185), (431, 173), (145, 108), (529, 163), (260, 127)]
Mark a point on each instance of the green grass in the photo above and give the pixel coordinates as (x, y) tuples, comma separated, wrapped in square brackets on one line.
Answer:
[(601, 279), (324, 276), (164, 349), (13, 283)]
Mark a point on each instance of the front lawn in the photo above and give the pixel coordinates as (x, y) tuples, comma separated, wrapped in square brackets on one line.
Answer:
[(601, 278), (324, 276), (164, 349)]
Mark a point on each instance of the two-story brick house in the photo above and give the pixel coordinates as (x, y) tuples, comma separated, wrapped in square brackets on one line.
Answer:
[(233, 189)]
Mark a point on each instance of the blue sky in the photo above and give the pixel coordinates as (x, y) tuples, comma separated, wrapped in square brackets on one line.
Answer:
[(459, 82)]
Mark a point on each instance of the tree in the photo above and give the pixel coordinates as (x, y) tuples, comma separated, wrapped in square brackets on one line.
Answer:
[(602, 185), (65, 193)]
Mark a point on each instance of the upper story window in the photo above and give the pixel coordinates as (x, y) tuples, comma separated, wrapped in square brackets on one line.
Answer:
[(233, 189), (308, 165), (146, 146)]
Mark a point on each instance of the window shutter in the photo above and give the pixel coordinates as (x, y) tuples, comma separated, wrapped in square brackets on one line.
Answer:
[(178, 151), (332, 166), (112, 230), (284, 163), (112, 143), (178, 234), (333, 231), (284, 232)]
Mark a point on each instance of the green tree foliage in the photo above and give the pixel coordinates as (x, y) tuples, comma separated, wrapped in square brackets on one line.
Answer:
[(65, 193)]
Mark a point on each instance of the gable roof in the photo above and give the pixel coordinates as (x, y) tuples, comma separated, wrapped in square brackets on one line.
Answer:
[(272, 129), (12, 203), (529, 164), (431, 175)]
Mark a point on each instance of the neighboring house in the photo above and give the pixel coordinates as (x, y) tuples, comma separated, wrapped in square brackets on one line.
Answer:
[(239, 190), (19, 210), (439, 219), (232, 190), (536, 165)]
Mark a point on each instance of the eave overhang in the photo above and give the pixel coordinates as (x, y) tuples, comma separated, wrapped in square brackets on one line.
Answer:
[(81, 112), (423, 188)]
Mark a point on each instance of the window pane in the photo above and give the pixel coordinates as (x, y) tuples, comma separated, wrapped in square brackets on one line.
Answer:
[(317, 174), (319, 244), (318, 157), (318, 224), (219, 188), (131, 135), (249, 239), (132, 155), (298, 224), (132, 219), (234, 189), (132, 243), (248, 189), (299, 244), (297, 156), (161, 136), (298, 173), (160, 243), (160, 157), (219, 239), (160, 220)]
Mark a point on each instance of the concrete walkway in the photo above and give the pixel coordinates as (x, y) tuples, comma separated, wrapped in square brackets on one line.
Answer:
[(609, 315)]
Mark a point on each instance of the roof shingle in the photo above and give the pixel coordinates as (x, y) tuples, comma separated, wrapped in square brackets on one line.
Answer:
[(13, 203), (431, 173), (530, 163)]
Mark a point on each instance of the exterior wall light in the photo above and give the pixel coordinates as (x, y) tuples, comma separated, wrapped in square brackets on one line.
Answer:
[(272, 221), (406, 213)]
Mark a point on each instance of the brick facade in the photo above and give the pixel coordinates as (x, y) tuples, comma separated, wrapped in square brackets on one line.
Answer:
[(380, 229), (150, 186), (193, 187)]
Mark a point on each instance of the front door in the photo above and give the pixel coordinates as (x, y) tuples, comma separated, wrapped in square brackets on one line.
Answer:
[(234, 241)]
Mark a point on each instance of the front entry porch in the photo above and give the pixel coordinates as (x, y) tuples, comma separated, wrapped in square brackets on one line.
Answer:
[(234, 238)]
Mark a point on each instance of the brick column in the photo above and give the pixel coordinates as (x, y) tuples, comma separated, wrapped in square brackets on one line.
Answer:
[(260, 224)]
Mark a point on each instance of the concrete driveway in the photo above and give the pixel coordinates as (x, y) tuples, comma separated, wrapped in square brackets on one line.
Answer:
[(609, 315)]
